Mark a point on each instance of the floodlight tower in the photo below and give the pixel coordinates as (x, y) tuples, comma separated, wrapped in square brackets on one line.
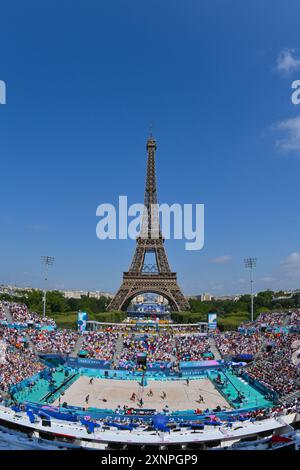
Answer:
[(46, 262), (250, 263)]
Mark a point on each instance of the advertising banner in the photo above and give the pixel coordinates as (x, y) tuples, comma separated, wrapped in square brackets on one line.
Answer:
[(212, 321), (81, 321)]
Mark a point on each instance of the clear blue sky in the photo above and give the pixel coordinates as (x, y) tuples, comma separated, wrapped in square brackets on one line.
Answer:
[(84, 81)]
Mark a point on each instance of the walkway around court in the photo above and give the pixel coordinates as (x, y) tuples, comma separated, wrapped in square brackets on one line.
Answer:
[(214, 348)]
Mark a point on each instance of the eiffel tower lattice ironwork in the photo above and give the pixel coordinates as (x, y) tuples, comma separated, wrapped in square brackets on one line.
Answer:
[(143, 278)]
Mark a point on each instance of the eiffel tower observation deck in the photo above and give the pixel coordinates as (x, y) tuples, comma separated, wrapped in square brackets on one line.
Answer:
[(142, 276)]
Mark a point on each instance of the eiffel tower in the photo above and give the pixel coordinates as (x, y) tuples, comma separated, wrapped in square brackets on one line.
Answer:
[(142, 277)]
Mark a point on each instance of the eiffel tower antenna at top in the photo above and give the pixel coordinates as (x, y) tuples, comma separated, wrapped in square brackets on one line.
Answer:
[(143, 277), (151, 131)]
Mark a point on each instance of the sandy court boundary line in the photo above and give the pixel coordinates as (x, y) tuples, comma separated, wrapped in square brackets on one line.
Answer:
[(111, 393)]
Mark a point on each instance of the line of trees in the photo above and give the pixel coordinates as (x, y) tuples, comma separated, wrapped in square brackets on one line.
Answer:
[(265, 300), (232, 313)]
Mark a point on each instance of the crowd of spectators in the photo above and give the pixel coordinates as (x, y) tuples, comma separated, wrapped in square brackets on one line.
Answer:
[(2, 312), (270, 349), (56, 341), (275, 320), (159, 348), (100, 345), (267, 320), (17, 361), (235, 343), (165, 347), (23, 316), (271, 319), (274, 367), (295, 319), (191, 347)]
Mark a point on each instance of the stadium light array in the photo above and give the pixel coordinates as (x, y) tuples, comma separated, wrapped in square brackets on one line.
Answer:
[(46, 262), (250, 263)]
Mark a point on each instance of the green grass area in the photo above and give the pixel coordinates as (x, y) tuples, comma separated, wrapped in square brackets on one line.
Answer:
[(231, 322), (69, 319), (226, 321), (65, 319)]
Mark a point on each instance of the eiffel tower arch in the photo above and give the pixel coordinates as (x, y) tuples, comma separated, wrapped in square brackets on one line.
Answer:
[(142, 277)]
